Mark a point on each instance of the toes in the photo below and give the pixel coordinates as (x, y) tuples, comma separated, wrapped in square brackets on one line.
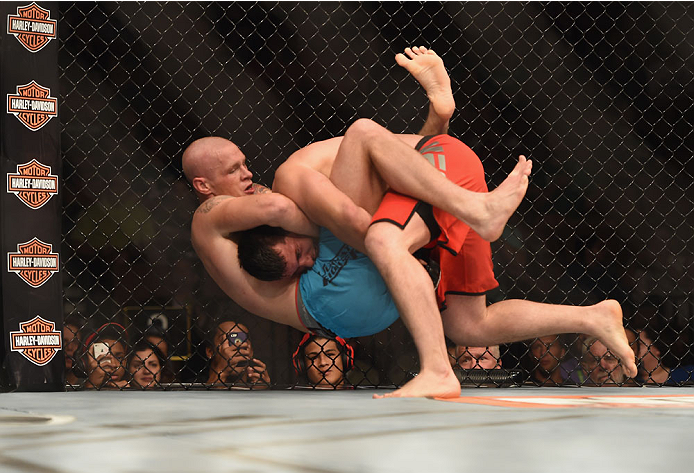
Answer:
[(401, 59)]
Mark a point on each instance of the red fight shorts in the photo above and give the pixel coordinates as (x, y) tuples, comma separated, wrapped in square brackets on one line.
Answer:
[(465, 258)]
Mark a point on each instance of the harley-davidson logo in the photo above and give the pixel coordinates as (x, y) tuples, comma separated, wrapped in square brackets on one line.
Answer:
[(33, 184), (33, 262), (37, 340), (32, 26), (33, 105)]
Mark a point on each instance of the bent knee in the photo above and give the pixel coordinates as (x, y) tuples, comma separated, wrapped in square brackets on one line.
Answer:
[(364, 127), (382, 238)]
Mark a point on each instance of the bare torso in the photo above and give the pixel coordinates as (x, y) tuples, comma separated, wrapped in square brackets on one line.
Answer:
[(219, 254), (218, 249)]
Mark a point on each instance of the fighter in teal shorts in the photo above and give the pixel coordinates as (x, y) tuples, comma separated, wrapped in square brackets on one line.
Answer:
[(344, 293)]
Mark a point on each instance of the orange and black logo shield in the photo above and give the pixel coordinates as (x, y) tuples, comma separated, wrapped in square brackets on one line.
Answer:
[(33, 27), (33, 184), (33, 262), (37, 340), (32, 105)]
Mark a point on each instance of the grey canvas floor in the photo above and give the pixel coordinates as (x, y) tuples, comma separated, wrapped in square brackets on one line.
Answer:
[(497, 430)]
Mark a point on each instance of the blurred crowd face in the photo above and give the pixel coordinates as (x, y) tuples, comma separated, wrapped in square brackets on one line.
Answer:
[(548, 351), (231, 346), (323, 361), (105, 360), (145, 369), (470, 358), (647, 354), (71, 343), (160, 343), (601, 366)]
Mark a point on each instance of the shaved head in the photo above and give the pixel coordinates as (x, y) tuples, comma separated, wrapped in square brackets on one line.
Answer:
[(204, 155), (216, 166)]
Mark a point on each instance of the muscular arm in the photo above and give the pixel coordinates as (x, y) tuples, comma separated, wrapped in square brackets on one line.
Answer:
[(228, 215)]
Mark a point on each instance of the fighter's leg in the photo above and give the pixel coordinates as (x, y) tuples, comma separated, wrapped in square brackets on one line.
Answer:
[(467, 321), (389, 248), (427, 67), (404, 170)]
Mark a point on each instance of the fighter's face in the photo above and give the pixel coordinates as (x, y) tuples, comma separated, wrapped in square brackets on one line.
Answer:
[(299, 252), (229, 175)]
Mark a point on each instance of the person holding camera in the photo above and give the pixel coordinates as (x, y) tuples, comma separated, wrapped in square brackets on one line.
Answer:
[(231, 358)]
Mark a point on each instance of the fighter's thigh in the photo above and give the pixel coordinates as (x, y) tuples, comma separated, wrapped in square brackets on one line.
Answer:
[(353, 171), (461, 315)]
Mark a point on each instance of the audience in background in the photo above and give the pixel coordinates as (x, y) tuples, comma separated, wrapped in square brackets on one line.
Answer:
[(475, 358), (145, 365), (72, 340), (652, 369), (104, 355), (323, 363), (601, 367), (231, 358), (547, 356), (157, 337)]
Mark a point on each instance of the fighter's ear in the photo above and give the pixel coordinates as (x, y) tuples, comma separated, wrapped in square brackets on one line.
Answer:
[(201, 186)]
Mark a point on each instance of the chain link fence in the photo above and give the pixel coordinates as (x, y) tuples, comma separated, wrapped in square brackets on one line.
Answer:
[(599, 95)]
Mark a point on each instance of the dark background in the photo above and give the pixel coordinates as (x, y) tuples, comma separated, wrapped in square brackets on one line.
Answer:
[(599, 95)]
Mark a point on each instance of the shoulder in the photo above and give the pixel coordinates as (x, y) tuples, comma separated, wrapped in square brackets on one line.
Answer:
[(261, 189), (207, 206)]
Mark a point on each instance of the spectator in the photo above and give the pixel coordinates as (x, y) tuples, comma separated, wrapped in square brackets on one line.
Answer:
[(145, 365), (104, 356), (72, 340), (547, 354), (599, 365), (157, 337), (652, 370), (322, 362), (471, 358), (231, 358)]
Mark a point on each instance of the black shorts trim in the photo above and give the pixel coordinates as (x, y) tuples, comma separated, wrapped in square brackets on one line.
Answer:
[(423, 141), (425, 211), (443, 305)]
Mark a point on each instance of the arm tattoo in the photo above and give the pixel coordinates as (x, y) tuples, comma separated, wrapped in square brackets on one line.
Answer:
[(208, 205), (261, 189)]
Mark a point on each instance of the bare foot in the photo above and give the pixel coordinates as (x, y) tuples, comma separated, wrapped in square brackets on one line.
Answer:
[(499, 204), (610, 330), (427, 67), (428, 384)]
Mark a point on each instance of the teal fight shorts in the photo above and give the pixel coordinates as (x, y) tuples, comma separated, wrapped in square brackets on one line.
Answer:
[(344, 293)]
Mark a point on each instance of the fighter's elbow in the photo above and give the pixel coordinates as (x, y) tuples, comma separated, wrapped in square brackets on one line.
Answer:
[(276, 208)]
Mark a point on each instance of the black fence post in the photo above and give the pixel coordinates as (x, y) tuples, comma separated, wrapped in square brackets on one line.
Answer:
[(32, 309)]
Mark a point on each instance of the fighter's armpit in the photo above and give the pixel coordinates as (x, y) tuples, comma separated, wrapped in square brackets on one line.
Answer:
[(261, 189), (208, 205)]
